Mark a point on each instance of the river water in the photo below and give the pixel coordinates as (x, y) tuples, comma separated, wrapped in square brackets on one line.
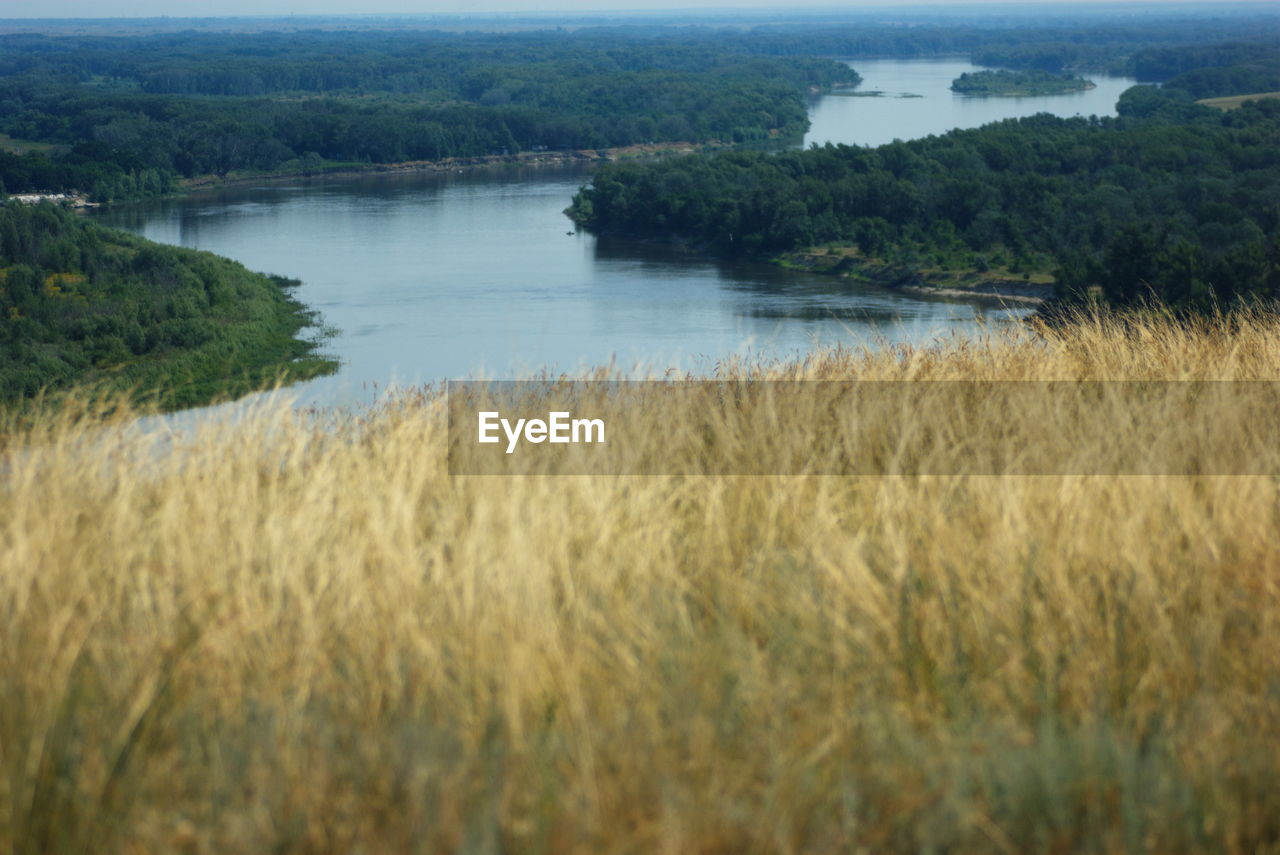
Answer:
[(917, 101), (479, 274)]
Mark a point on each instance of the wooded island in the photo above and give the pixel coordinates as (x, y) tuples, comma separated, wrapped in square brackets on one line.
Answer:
[(1018, 84)]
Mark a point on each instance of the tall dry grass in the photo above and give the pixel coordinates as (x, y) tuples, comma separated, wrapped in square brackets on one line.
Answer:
[(278, 633)]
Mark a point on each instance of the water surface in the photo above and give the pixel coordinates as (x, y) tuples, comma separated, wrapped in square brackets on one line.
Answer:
[(470, 274), (917, 101)]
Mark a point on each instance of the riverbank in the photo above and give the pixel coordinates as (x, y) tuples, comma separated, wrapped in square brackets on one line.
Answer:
[(452, 164), (286, 634), (92, 307), (67, 200), (994, 283)]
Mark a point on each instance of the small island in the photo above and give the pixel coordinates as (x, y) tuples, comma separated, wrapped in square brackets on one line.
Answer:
[(1016, 84)]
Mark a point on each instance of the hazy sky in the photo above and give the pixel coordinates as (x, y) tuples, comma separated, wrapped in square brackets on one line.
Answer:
[(217, 8)]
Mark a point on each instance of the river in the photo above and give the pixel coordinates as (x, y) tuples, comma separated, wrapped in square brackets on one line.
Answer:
[(479, 274)]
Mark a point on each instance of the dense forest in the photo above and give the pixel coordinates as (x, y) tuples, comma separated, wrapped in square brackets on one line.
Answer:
[(1098, 44), (1115, 48), (1171, 199), (444, 65), (1212, 70), (129, 115), (82, 303), (1207, 69)]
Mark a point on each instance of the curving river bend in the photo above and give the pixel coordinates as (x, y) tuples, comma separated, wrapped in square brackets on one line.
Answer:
[(478, 273)]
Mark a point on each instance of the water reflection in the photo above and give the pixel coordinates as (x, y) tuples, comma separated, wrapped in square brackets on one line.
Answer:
[(767, 292), (932, 108), (478, 273)]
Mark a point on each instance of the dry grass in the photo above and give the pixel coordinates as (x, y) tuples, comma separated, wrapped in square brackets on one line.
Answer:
[(269, 635)]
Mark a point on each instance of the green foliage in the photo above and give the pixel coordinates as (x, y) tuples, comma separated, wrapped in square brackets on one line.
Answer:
[(1142, 50), (84, 304), (128, 115), (1172, 63), (92, 169), (210, 104), (1077, 42), (1004, 82), (1207, 71), (1201, 188)]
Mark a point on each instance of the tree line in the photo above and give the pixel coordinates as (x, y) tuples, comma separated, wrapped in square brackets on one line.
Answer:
[(1188, 195), (82, 303), (131, 115), (528, 66)]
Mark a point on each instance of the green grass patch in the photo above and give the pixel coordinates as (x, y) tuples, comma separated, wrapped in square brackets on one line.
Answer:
[(14, 145), (1233, 102)]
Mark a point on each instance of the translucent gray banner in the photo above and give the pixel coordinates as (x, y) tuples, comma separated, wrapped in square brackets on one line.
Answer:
[(864, 428)]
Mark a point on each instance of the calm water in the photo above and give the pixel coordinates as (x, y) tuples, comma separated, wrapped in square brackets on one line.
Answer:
[(918, 101), (480, 274)]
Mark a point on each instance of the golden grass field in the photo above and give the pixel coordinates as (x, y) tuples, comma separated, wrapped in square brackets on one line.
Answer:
[(288, 632)]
